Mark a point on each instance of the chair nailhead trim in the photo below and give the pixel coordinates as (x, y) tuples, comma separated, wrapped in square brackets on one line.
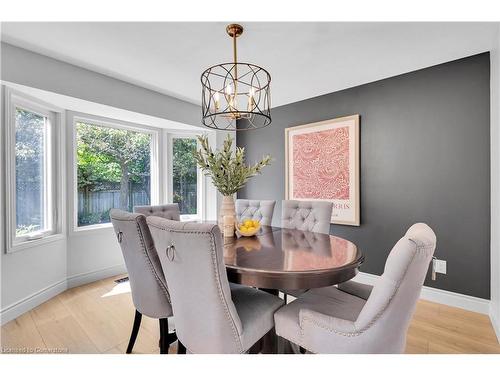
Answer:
[(150, 264)]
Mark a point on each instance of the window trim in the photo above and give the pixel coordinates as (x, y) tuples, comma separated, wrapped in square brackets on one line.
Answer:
[(55, 168), (200, 180), (116, 124)]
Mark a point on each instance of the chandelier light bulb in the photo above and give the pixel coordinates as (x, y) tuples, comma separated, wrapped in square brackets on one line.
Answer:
[(216, 100), (251, 99)]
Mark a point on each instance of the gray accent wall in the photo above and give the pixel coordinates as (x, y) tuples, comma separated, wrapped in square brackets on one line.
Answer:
[(425, 157)]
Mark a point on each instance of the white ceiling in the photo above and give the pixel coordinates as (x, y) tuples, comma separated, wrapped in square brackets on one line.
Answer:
[(304, 59)]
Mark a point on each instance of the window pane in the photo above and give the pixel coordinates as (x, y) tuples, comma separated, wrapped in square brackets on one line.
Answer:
[(30, 172), (113, 171), (185, 175)]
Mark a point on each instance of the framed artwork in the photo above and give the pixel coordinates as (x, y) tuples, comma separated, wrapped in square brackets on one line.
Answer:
[(322, 164)]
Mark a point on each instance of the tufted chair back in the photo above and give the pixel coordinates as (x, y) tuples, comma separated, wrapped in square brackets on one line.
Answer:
[(166, 211), (191, 255), (255, 210), (390, 306), (147, 281), (312, 216)]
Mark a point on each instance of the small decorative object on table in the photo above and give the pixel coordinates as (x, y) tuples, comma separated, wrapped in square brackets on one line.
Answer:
[(248, 227), (228, 170)]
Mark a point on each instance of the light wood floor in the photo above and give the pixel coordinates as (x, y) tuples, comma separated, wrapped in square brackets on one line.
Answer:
[(97, 318)]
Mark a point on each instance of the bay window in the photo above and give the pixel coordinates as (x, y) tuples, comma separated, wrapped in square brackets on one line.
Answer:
[(111, 164)]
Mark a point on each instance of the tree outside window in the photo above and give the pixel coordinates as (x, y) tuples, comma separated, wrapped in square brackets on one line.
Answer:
[(30, 172), (113, 171), (185, 175)]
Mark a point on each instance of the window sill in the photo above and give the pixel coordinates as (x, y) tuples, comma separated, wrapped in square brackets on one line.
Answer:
[(97, 228), (34, 243), (190, 218)]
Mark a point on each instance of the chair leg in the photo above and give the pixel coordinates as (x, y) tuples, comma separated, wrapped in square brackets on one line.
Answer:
[(135, 331), (164, 336), (270, 342), (181, 349), (285, 298)]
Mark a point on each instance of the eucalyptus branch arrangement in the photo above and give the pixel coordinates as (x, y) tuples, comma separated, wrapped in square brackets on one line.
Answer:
[(228, 170)]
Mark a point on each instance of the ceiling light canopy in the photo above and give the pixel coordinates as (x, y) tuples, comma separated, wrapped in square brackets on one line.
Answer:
[(235, 96)]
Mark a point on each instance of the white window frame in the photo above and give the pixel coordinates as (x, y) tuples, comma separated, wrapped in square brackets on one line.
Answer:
[(53, 181), (117, 124), (201, 184)]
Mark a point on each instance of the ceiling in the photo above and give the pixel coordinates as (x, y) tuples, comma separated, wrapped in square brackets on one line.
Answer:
[(304, 59)]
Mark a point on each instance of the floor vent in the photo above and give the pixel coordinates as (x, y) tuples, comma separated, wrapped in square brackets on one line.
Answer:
[(122, 280)]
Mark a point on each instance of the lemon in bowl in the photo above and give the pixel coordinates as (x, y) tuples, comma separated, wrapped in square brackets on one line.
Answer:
[(248, 227)]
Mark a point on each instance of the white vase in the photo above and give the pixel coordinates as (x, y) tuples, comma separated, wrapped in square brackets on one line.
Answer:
[(226, 209)]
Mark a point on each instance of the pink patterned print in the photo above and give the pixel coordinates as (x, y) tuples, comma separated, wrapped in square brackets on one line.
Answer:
[(321, 164)]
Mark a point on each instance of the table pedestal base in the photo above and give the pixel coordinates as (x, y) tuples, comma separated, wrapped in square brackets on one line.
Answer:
[(272, 343)]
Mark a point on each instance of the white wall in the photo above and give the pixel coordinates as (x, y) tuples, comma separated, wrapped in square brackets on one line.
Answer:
[(93, 255), (495, 185), (31, 276), (34, 70), (2, 193)]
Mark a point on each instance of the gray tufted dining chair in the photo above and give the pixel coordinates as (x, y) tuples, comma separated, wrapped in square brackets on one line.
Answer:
[(167, 211), (147, 281), (311, 216), (210, 317), (353, 319), (261, 210)]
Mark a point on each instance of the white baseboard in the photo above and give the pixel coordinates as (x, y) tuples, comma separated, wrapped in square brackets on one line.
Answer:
[(445, 297), (366, 278), (90, 277), (496, 324), (30, 302)]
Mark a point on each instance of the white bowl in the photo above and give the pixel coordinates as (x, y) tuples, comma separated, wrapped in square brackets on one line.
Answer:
[(246, 234)]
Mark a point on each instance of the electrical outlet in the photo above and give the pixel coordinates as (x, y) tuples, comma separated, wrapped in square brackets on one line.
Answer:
[(440, 266)]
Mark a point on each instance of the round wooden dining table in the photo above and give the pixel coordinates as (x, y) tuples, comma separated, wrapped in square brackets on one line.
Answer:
[(290, 259)]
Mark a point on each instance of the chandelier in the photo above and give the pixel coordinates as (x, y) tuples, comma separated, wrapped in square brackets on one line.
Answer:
[(235, 96)]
